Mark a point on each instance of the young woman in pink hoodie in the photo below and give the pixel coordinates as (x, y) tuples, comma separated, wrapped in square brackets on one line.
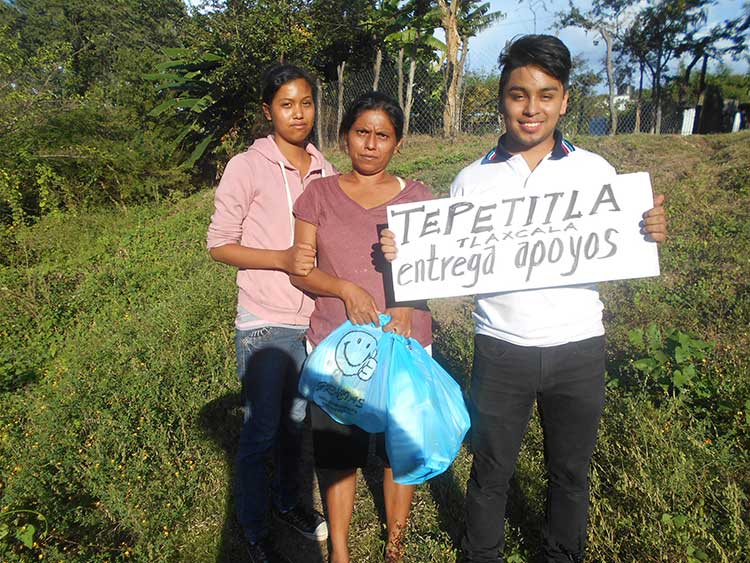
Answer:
[(252, 229)]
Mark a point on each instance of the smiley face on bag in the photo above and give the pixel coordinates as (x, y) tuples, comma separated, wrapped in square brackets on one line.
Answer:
[(355, 354)]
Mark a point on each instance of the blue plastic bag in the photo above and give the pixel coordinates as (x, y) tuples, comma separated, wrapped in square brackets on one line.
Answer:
[(426, 414), (341, 376)]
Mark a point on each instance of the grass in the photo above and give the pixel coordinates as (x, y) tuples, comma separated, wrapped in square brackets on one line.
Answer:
[(118, 399)]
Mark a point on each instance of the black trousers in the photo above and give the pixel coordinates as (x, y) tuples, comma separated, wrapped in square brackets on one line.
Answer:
[(567, 382)]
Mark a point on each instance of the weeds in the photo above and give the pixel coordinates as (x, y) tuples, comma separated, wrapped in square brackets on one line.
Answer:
[(117, 385)]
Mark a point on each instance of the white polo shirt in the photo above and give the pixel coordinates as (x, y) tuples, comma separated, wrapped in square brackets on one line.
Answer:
[(535, 317)]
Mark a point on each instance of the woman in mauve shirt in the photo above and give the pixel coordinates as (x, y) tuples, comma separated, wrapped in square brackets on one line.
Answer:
[(341, 216)]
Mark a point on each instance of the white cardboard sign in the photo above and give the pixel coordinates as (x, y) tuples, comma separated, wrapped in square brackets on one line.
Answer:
[(569, 235)]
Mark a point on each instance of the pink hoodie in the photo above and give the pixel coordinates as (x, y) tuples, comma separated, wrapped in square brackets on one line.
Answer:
[(253, 207)]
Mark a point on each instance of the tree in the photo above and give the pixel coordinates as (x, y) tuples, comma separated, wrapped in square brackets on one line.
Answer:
[(109, 42), (726, 38), (211, 89), (339, 32), (534, 6), (732, 86), (417, 22), (386, 17), (460, 20), (657, 36), (635, 48), (28, 78), (606, 19), (72, 104), (583, 82), (480, 102), (341, 40)]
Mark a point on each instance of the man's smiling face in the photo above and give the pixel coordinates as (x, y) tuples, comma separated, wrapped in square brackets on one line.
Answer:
[(531, 103)]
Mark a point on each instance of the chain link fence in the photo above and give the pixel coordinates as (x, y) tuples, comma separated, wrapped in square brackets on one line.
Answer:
[(587, 114)]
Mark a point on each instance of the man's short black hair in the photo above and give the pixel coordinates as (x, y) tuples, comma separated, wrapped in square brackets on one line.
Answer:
[(544, 51)]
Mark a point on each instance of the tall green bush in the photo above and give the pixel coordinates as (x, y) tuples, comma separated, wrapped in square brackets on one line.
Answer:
[(80, 155)]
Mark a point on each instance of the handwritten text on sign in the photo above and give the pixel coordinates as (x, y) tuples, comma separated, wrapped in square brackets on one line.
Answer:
[(579, 234)]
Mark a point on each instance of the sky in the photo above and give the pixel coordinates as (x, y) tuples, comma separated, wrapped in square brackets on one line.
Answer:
[(485, 47)]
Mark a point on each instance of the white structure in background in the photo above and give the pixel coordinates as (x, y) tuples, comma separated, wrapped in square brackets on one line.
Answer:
[(688, 121), (737, 123), (621, 101)]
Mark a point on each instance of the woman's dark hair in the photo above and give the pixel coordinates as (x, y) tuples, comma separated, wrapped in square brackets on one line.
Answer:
[(274, 77), (544, 51), (373, 101)]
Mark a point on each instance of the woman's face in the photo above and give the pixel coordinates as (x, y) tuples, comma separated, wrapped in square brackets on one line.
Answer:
[(292, 111), (371, 142)]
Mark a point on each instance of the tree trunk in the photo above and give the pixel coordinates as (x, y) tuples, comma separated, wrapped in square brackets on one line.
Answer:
[(657, 105), (685, 82), (319, 114), (340, 114), (610, 81), (652, 113), (657, 91), (409, 98), (639, 101), (698, 127), (449, 23), (400, 66), (460, 86), (702, 81), (657, 127), (376, 68)]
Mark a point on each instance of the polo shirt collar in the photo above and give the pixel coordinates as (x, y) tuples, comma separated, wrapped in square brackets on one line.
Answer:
[(561, 149)]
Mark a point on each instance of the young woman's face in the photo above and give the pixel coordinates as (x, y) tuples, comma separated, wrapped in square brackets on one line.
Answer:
[(292, 111), (371, 142)]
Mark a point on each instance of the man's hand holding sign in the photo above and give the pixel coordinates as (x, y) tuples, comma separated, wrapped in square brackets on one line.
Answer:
[(590, 232)]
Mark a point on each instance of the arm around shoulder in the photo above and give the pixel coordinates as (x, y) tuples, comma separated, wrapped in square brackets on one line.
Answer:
[(233, 202), (298, 259), (316, 281), (360, 305)]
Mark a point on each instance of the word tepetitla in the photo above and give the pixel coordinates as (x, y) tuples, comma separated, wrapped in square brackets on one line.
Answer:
[(521, 211)]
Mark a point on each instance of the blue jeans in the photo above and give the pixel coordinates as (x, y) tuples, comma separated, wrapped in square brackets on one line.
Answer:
[(269, 361), (567, 384)]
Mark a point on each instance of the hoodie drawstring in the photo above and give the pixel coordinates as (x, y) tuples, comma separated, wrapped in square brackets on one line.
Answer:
[(289, 201), (289, 198)]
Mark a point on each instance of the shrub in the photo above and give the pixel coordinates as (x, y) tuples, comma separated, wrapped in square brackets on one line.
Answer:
[(83, 154)]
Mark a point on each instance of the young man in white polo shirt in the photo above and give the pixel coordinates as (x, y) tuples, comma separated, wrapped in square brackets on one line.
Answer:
[(543, 345)]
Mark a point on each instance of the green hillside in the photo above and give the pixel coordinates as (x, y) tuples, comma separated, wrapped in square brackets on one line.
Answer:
[(119, 402)]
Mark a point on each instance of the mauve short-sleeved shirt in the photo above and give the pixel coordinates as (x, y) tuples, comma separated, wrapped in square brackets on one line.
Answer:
[(348, 247)]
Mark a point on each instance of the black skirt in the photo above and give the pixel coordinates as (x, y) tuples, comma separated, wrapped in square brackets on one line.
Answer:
[(341, 446)]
